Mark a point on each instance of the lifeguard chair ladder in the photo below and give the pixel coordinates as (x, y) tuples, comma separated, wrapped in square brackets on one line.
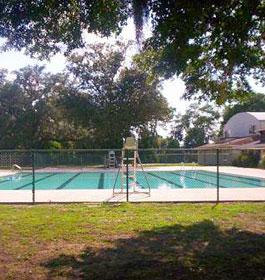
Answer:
[(130, 144)]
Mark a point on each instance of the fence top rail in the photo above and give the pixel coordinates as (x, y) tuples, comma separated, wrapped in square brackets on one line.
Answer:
[(60, 150), (97, 150), (119, 150)]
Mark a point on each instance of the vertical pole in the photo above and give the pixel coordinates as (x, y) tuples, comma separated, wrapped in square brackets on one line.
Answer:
[(10, 160), (218, 177), (81, 160), (127, 175), (33, 177)]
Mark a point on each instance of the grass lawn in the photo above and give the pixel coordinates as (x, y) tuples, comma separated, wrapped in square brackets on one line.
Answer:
[(133, 241)]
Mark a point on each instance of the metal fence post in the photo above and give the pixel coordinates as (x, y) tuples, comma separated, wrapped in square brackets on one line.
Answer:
[(33, 177), (217, 175), (127, 175), (10, 159)]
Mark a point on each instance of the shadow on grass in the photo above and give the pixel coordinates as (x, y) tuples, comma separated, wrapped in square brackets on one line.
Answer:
[(198, 251)]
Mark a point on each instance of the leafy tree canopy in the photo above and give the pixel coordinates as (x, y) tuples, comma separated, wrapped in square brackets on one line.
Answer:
[(93, 104), (196, 126), (214, 45), (28, 115), (43, 26), (114, 100)]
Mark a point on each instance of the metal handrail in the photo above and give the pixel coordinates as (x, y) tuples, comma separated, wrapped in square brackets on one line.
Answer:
[(16, 166)]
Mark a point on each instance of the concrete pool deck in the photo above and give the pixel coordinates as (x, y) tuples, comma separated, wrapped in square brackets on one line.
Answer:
[(157, 195)]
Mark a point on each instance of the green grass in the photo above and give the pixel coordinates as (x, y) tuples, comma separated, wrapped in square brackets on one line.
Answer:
[(133, 241)]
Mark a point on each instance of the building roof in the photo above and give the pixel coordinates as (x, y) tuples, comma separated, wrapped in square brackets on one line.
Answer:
[(258, 115), (253, 145), (252, 141), (230, 143)]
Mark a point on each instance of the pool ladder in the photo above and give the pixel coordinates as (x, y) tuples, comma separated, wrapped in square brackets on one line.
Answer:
[(16, 166), (17, 175)]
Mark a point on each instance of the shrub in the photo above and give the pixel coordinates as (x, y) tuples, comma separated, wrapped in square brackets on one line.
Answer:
[(247, 159), (262, 164)]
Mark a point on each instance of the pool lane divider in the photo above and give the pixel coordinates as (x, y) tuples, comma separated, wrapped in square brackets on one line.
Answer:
[(101, 181), (164, 179), (197, 180), (137, 182), (29, 184), (63, 185), (224, 177)]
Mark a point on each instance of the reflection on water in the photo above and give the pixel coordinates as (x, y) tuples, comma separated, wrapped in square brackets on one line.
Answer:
[(164, 187), (15, 177)]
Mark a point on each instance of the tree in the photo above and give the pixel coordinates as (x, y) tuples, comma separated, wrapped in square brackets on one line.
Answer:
[(111, 100), (213, 45), (172, 143), (94, 103), (148, 139), (21, 103), (196, 126), (43, 26), (28, 115)]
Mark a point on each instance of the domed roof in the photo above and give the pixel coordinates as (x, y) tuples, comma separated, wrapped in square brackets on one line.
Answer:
[(258, 115)]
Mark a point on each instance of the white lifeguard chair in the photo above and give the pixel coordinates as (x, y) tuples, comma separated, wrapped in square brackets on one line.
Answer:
[(130, 144), (112, 163), (128, 169)]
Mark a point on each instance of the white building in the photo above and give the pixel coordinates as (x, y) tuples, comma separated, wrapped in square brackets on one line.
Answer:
[(244, 124), (242, 132)]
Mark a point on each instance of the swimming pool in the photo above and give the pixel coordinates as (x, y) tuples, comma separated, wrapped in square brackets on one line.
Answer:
[(105, 180)]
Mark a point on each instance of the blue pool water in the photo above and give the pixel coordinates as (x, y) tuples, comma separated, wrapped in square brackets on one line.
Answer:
[(98, 180)]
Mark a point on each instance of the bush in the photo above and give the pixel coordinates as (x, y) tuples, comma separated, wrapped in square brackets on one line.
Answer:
[(247, 159), (53, 145), (262, 164)]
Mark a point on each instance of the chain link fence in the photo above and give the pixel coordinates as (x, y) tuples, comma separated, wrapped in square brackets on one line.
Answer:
[(181, 175)]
